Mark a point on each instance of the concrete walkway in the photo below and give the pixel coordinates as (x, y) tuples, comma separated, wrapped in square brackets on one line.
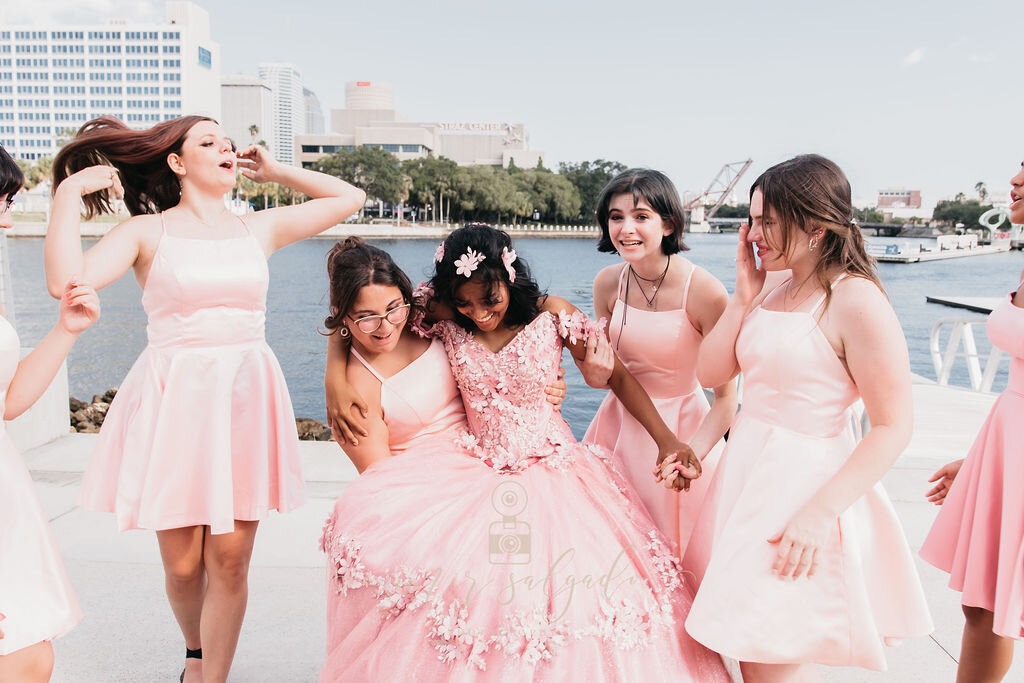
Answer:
[(128, 633)]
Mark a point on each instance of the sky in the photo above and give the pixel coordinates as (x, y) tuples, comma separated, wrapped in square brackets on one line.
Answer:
[(900, 94)]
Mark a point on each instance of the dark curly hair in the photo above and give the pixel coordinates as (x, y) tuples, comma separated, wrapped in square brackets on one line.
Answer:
[(353, 264), (524, 294), (11, 177), (657, 190)]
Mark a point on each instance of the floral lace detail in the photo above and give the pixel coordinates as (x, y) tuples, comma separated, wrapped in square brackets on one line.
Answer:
[(421, 295), (511, 425), (670, 571), (625, 625), (576, 326), (402, 590), (452, 636), (343, 554), (531, 637)]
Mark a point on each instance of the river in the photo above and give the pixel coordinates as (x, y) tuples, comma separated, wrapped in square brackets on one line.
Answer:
[(297, 304)]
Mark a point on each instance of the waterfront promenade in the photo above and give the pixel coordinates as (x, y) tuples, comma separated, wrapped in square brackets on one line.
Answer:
[(129, 635)]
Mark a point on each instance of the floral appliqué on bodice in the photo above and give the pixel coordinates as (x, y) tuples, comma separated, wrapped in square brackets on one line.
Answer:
[(511, 424)]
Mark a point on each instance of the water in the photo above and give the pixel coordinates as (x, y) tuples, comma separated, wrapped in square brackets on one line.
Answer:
[(297, 305)]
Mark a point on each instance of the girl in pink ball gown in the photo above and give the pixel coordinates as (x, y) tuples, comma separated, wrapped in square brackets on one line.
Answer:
[(978, 536), (200, 443), (494, 547), (804, 560), (37, 603), (660, 306)]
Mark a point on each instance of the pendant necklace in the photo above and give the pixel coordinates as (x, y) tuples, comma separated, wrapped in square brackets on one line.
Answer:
[(658, 281)]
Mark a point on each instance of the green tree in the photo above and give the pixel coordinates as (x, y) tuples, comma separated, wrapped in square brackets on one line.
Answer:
[(869, 215), (590, 177), (966, 211), (553, 195), (377, 172), (487, 193), (431, 179), (738, 211)]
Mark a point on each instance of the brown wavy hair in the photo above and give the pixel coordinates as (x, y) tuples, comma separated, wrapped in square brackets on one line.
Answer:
[(353, 264), (140, 156), (810, 193)]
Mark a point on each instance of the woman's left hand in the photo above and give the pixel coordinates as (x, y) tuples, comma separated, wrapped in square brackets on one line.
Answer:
[(557, 390), (257, 164), (677, 466), (79, 307), (798, 545)]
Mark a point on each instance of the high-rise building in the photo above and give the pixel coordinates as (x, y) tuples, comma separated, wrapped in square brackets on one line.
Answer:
[(314, 113), (247, 110), (54, 78), (289, 108)]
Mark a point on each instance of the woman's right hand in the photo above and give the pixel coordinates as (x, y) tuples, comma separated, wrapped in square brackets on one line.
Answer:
[(79, 307), (944, 476), (749, 278), (95, 179)]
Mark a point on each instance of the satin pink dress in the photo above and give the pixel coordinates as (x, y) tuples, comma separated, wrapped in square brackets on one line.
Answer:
[(201, 431), (659, 348), (978, 536), (794, 431), (35, 593), (502, 550)]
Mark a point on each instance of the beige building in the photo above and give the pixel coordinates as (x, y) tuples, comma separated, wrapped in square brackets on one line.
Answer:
[(369, 119), (245, 102)]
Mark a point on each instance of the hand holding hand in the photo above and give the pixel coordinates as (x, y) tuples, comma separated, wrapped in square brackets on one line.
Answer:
[(557, 390), (797, 546), (749, 278), (257, 164), (598, 363), (944, 476), (677, 466), (79, 307), (346, 412)]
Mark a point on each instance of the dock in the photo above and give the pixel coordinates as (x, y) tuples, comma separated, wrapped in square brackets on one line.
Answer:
[(128, 633), (977, 304), (946, 247)]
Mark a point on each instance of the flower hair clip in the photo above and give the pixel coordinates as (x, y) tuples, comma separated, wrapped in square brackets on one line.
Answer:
[(468, 262), (439, 253), (508, 257)]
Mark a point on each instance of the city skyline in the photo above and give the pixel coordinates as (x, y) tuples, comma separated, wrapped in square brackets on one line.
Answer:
[(898, 96)]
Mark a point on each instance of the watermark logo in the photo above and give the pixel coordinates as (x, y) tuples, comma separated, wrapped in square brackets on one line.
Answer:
[(509, 539)]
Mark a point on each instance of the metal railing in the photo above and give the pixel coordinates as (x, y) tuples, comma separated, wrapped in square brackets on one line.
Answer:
[(961, 344)]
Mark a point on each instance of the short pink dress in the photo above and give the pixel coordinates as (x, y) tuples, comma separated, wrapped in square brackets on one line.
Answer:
[(201, 431), (499, 550), (794, 431), (659, 348), (978, 536), (35, 593)]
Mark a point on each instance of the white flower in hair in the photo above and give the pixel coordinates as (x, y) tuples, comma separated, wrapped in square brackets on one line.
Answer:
[(468, 262), (439, 253), (508, 257)]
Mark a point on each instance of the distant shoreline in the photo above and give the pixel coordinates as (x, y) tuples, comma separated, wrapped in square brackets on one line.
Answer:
[(371, 230)]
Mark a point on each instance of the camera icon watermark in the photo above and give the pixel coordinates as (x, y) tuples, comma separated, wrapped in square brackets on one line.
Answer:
[(508, 541)]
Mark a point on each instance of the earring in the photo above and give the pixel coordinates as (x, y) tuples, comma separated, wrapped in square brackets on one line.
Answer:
[(344, 332), (812, 243)]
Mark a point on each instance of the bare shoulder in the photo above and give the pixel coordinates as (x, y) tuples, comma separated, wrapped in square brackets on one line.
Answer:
[(556, 304), (858, 294), (144, 230), (860, 307), (704, 284)]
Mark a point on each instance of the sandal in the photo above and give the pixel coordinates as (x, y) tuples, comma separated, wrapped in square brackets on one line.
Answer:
[(190, 654)]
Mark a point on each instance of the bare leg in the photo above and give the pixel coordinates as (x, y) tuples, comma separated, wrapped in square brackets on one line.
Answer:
[(227, 565), (185, 582), (32, 664), (984, 656), (756, 672)]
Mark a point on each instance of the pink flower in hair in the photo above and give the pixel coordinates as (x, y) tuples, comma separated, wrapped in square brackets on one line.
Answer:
[(439, 253), (508, 257), (468, 262)]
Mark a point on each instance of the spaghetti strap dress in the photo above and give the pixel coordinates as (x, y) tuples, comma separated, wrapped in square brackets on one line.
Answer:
[(35, 594), (659, 348), (978, 536), (201, 431), (794, 431)]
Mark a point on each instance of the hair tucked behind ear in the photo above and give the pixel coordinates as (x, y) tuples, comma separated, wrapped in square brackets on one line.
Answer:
[(353, 264), (150, 186)]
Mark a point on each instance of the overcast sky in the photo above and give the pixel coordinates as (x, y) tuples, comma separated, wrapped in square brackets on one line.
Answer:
[(901, 94)]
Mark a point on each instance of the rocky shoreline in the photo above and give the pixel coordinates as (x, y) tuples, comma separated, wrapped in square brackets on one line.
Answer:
[(87, 418)]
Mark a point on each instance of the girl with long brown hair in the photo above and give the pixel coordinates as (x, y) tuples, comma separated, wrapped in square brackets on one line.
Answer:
[(803, 558), (200, 442)]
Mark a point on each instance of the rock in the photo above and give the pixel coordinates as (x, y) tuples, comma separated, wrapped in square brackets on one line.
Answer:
[(75, 404), (88, 417), (312, 430)]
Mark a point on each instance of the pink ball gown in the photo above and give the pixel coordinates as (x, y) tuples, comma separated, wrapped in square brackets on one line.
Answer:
[(505, 552), (794, 431), (978, 536), (659, 348), (35, 594), (201, 431)]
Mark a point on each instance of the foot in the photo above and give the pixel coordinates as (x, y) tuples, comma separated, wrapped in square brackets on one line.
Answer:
[(193, 672)]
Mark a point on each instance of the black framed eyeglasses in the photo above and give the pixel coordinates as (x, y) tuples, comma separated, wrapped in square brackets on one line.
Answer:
[(368, 324)]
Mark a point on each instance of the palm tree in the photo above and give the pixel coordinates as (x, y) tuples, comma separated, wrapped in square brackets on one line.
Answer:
[(982, 191)]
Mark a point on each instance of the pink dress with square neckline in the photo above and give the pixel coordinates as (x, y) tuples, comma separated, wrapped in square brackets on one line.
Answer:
[(794, 431), (201, 431)]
